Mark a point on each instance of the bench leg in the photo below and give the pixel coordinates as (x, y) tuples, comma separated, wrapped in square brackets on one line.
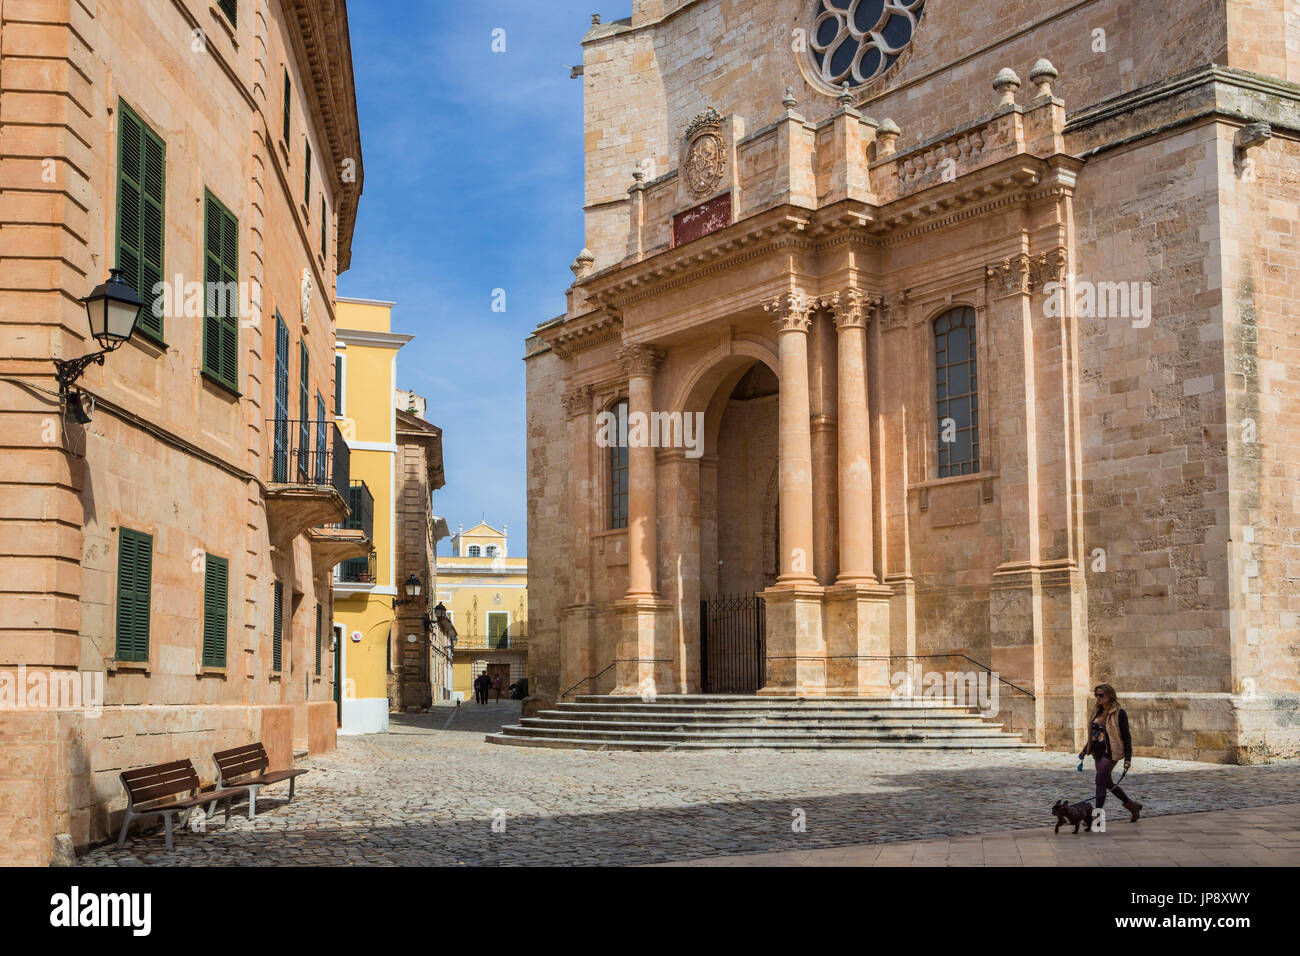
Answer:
[(126, 822), (291, 780), (167, 819), (252, 802)]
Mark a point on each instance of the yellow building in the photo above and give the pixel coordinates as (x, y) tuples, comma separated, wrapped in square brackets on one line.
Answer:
[(485, 592), (365, 588)]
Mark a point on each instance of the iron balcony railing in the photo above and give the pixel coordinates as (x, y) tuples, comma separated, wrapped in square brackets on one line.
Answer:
[(505, 642), (356, 570), (361, 509), (309, 453)]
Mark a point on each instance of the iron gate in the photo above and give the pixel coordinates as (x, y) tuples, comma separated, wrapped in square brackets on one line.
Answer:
[(733, 644)]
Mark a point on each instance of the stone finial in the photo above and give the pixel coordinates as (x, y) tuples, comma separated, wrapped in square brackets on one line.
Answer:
[(788, 101), (582, 265), (845, 99), (887, 136), (1043, 75), (638, 173), (1006, 83), (595, 19)]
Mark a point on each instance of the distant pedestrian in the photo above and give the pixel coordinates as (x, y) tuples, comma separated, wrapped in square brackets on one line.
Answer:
[(496, 685), (480, 689)]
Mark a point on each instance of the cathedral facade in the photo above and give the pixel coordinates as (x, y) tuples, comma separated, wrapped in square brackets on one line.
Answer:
[(916, 367)]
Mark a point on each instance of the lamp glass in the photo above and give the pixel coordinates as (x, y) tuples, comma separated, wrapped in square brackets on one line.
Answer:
[(113, 309)]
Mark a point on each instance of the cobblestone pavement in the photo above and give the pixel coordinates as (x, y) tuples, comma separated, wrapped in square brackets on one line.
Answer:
[(1263, 836), (429, 792)]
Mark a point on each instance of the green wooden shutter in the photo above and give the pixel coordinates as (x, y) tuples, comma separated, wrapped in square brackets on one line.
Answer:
[(288, 87), (141, 175), (216, 608), (134, 579), (318, 640), (306, 181), (221, 312), (324, 232), (231, 8), (277, 629), (304, 414), (281, 464)]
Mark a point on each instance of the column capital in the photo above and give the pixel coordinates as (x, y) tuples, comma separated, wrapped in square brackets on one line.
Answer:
[(853, 308), (577, 400), (793, 310), (1024, 273), (640, 360)]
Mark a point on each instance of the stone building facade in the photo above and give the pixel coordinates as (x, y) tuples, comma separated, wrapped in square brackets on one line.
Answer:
[(990, 372), (150, 549)]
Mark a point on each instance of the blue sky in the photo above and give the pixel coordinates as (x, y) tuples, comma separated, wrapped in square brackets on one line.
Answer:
[(473, 182)]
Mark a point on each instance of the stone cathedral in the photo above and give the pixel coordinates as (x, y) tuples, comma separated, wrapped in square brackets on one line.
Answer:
[(986, 314)]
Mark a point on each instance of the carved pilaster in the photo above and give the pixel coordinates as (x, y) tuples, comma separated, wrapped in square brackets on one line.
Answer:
[(577, 401), (1024, 274)]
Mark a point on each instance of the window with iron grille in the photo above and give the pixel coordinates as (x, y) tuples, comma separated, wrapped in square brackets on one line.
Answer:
[(618, 470), (318, 639), (957, 393)]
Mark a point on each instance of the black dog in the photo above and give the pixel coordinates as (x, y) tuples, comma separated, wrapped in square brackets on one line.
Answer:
[(1076, 813)]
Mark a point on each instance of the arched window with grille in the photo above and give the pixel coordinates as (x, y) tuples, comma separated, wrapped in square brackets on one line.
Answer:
[(617, 464), (475, 551), (957, 393)]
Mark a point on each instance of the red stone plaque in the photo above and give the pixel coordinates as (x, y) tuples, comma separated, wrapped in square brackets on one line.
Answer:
[(699, 221)]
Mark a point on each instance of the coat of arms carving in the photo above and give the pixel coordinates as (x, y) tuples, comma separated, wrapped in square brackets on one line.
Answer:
[(706, 154)]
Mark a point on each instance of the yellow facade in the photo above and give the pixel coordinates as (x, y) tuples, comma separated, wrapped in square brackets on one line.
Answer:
[(486, 593), (366, 361)]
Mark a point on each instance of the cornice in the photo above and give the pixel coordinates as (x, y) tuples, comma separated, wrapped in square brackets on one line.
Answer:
[(322, 45)]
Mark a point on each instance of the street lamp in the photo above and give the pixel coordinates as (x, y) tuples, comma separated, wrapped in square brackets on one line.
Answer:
[(112, 309), (413, 587)]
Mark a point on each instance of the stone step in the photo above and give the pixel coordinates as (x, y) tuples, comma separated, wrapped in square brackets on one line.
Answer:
[(734, 721), (633, 704), (577, 743), (774, 733), (704, 722)]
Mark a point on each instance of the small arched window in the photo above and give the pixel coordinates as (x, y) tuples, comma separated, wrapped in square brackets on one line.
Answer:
[(475, 551), (957, 393), (617, 464)]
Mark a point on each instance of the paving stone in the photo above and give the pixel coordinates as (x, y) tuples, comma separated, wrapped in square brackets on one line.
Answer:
[(428, 795)]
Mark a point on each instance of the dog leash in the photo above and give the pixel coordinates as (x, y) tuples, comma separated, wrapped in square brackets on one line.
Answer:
[(1113, 787)]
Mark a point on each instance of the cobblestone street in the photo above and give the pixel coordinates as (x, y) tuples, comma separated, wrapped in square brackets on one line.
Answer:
[(428, 793)]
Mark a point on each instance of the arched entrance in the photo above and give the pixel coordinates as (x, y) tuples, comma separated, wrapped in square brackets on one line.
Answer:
[(739, 536)]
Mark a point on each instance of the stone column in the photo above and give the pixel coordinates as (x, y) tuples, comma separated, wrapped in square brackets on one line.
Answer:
[(852, 313), (796, 648), (857, 607), (793, 312), (645, 668), (640, 361)]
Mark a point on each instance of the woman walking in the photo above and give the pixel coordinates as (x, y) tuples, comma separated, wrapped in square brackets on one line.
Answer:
[(1109, 742)]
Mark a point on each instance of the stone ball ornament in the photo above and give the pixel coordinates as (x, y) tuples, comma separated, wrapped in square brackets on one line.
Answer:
[(856, 41)]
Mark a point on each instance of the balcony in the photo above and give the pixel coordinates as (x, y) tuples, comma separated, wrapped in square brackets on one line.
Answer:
[(349, 540), (357, 573), (307, 487), (505, 642)]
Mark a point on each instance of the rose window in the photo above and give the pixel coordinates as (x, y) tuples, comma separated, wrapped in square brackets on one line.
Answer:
[(855, 41)]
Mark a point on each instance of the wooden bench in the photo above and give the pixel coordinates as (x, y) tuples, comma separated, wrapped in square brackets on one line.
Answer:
[(153, 792), (245, 769)]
